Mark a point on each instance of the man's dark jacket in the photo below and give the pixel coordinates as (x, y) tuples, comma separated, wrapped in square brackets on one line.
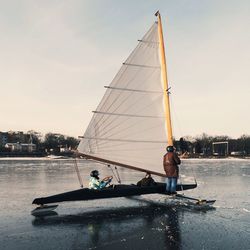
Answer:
[(170, 164)]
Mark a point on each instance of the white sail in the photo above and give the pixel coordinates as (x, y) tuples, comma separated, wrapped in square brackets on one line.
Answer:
[(128, 125)]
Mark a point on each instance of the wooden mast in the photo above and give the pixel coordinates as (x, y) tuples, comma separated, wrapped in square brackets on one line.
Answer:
[(165, 82)]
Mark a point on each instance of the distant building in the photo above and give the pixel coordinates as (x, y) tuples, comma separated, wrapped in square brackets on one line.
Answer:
[(17, 141), (21, 147), (238, 153), (65, 149), (14, 147), (28, 147), (16, 136), (220, 148), (3, 138)]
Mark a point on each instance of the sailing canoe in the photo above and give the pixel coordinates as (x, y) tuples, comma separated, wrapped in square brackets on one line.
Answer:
[(109, 192)]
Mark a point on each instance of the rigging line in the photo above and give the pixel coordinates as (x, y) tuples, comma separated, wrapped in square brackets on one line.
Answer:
[(117, 176), (181, 132), (141, 65), (127, 115), (117, 98), (117, 125), (117, 179), (78, 174), (180, 129), (176, 116), (117, 172), (194, 175), (134, 90), (180, 178), (132, 54)]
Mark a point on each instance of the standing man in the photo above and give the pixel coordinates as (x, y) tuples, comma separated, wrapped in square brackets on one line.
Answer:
[(170, 164)]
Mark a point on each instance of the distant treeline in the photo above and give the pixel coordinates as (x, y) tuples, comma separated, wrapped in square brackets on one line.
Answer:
[(203, 145), (50, 143), (214, 145)]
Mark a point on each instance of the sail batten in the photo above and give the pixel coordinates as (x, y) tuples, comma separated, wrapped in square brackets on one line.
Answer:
[(144, 41), (129, 115), (134, 90), (143, 66), (121, 140), (128, 126)]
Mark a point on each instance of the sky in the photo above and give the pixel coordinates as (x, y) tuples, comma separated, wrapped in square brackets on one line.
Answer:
[(56, 56)]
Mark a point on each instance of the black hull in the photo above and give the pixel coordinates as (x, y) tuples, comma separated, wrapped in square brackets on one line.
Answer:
[(118, 191)]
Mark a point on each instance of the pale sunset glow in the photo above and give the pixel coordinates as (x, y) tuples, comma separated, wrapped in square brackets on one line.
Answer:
[(56, 56)]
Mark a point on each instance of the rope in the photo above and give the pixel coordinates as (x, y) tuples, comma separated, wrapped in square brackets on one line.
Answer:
[(78, 173), (194, 176), (175, 116), (117, 177), (181, 183), (181, 132)]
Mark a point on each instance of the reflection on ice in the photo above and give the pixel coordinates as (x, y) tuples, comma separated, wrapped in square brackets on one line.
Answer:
[(153, 222), (147, 222)]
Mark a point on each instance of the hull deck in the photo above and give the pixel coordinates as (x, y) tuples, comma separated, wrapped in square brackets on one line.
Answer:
[(109, 192)]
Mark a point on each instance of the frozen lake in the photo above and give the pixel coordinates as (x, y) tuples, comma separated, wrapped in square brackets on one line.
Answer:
[(146, 222)]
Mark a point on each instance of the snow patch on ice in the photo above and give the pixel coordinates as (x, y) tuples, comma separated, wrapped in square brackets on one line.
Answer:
[(246, 210)]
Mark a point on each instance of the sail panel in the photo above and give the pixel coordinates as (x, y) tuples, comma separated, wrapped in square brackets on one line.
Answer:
[(128, 125)]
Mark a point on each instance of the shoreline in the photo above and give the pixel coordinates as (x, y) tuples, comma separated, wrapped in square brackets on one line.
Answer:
[(72, 158)]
